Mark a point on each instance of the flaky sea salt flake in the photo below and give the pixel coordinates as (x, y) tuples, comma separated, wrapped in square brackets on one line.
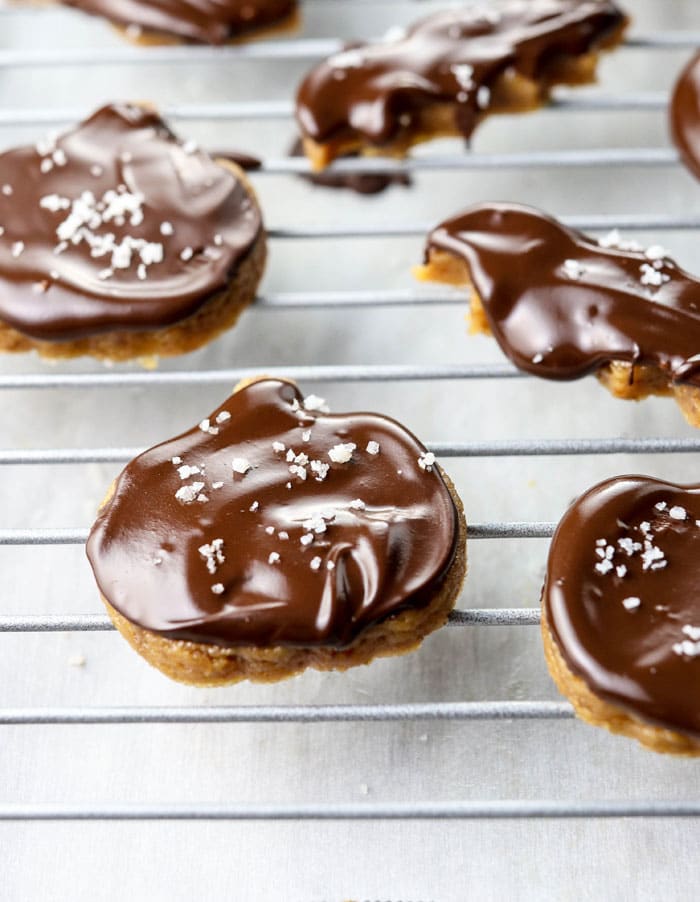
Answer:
[(240, 465), (342, 452)]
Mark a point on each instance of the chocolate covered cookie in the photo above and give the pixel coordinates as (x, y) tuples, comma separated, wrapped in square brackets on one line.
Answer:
[(562, 305), (621, 611), (118, 240), (448, 71), (200, 21), (275, 536)]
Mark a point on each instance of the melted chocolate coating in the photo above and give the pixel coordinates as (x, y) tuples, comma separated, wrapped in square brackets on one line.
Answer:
[(371, 90), (372, 183), (684, 114), (61, 275), (637, 656), (388, 551), (246, 162), (203, 21), (561, 306)]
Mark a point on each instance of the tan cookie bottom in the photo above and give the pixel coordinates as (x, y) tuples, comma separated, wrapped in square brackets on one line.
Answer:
[(511, 93), (623, 380), (217, 315), (201, 664), (599, 713)]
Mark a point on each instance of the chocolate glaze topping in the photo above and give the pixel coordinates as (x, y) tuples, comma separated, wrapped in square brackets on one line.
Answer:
[(203, 21), (684, 115), (292, 528), (371, 90), (561, 305), (622, 597), (116, 225)]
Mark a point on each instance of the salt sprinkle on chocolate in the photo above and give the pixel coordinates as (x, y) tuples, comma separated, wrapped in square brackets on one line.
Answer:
[(372, 448), (313, 402), (689, 647), (185, 471), (573, 269), (188, 493), (206, 426), (427, 461), (319, 469), (217, 588), (342, 452), (315, 563), (631, 603), (240, 465), (678, 513), (213, 554)]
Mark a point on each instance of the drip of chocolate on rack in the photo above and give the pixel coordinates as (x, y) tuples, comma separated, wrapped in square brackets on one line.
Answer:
[(359, 182)]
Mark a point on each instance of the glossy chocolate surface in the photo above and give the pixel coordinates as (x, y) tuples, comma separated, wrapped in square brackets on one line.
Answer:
[(203, 21), (313, 549), (684, 115), (561, 305), (116, 225), (456, 56), (622, 597)]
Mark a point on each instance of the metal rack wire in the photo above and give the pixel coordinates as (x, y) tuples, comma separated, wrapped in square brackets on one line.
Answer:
[(314, 714)]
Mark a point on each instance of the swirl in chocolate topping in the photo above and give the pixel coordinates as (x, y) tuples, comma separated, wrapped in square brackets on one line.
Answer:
[(684, 115), (561, 305), (116, 225), (202, 21), (274, 523), (622, 597), (456, 56)]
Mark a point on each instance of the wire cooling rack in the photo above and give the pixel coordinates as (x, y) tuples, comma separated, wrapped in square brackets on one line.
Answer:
[(608, 161)]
